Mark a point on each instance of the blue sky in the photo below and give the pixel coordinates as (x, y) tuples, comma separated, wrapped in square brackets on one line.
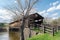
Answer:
[(46, 8)]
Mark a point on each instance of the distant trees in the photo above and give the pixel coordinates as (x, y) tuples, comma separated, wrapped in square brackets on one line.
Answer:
[(56, 22), (2, 24)]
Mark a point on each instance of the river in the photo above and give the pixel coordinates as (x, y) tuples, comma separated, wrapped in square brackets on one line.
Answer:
[(15, 35), (9, 36), (4, 36)]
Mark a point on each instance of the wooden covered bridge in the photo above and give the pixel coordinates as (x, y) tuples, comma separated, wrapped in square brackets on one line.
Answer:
[(35, 20)]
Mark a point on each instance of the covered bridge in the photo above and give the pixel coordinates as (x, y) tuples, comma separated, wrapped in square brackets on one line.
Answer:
[(35, 20)]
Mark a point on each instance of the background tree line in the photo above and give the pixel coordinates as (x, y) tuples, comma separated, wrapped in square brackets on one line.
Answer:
[(55, 22)]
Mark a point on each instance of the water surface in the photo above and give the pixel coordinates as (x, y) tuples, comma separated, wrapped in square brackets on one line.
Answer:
[(4, 36)]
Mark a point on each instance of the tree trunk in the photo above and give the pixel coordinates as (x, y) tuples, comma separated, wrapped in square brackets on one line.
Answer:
[(22, 29), (30, 33), (29, 27)]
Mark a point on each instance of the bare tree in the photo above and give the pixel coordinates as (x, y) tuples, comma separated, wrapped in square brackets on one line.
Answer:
[(25, 10), (23, 7)]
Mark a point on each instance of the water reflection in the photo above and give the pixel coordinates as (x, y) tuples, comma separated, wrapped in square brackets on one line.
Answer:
[(9, 36), (14, 35), (4, 36)]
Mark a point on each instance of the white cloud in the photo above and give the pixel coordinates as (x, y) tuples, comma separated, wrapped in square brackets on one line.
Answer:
[(51, 9), (4, 12), (42, 12), (55, 6), (58, 6), (54, 3), (55, 14), (15, 1), (53, 18), (33, 10), (46, 14), (1, 17), (4, 15)]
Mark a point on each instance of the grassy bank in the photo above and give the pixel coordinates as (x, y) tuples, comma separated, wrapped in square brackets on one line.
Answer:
[(46, 37)]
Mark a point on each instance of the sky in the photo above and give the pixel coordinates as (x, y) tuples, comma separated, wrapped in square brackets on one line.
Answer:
[(46, 8)]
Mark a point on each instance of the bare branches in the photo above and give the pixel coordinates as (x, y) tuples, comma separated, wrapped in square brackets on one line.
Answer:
[(20, 4), (21, 8), (10, 9), (15, 12), (30, 6)]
